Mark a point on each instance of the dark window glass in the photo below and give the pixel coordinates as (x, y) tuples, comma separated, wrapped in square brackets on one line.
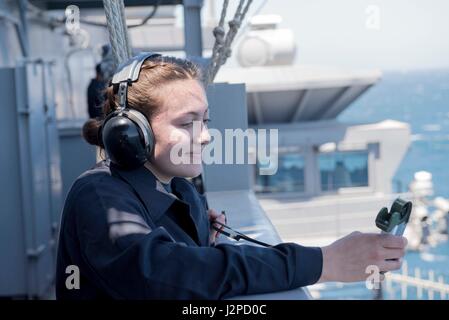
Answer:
[(343, 170), (288, 178)]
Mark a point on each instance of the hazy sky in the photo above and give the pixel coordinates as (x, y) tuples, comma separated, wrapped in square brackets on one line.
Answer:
[(402, 34)]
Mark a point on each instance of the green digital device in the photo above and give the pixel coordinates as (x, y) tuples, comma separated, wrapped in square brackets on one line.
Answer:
[(395, 220)]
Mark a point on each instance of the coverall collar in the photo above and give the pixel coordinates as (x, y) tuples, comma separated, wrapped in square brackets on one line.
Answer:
[(143, 181)]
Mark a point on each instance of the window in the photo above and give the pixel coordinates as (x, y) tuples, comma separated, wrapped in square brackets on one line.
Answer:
[(288, 178), (343, 170)]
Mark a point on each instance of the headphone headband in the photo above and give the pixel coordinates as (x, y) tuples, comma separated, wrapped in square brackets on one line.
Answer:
[(129, 71)]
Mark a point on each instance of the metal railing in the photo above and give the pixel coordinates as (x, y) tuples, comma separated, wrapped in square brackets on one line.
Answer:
[(432, 285)]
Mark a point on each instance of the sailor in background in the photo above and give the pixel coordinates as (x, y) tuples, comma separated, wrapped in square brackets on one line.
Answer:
[(95, 95)]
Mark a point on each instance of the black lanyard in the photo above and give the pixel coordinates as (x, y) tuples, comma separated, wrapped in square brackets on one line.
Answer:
[(231, 233)]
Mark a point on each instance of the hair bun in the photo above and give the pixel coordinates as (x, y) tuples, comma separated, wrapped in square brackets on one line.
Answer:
[(91, 132)]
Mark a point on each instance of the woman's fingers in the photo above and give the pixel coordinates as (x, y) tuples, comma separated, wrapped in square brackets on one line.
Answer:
[(221, 219), (212, 214), (393, 242), (390, 265), (393, 253), (215, 216), (391, 259)]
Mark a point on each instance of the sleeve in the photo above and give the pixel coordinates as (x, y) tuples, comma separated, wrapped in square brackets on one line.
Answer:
[(148, 264)]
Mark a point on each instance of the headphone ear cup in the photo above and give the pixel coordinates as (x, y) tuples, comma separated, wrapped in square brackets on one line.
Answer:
[(123, 141), (145, 127)]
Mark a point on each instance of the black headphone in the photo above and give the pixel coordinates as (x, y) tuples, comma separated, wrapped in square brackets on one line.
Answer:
[(126, 133)]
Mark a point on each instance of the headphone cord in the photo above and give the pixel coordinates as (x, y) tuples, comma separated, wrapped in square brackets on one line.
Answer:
[(233, 234)]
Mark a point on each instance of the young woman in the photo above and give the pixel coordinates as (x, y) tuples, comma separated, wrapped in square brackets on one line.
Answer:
[(145, 233)]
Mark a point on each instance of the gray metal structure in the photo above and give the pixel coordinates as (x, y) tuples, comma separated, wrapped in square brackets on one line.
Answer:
[(30, 200), (283, 94), (76, 155), (193, 42)]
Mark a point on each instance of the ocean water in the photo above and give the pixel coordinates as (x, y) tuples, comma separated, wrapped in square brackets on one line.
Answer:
[(420, 98)]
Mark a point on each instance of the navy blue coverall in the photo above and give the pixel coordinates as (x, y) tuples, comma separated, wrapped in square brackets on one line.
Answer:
[(132, 241)]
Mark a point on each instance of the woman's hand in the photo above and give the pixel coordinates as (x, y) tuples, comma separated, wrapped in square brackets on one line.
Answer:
[(215, 216), (347, 259)]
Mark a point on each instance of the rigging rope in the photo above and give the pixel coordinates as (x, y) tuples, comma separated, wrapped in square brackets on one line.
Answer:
[(223, 41), (118, 33)]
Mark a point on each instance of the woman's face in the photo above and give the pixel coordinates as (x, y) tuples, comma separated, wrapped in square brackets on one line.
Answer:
[(180, 130)]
